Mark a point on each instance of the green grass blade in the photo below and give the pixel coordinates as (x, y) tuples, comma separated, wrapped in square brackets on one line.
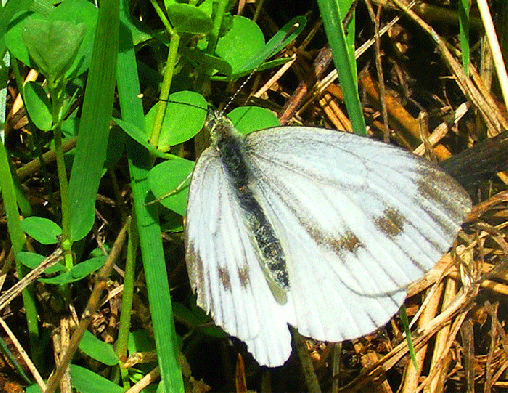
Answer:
[(150, 238), (405, 323), (343, 57), (464, 33), (87, 169)]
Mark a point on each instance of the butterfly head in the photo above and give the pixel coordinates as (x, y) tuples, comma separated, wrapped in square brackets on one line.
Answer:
[(219, 126)]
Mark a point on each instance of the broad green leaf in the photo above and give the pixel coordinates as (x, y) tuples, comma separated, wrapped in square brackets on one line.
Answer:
[(189, 19), (32, 260), (208, 63), (251, 118), (71, 11), (41, 229), (94, 127), (38, 105), (170, 177), (184, 118), (11, 8), (282, 38), (171, 221), (77, 272), (140, 137), (97, 349), (241, 43), (86, 381), (53, 45)]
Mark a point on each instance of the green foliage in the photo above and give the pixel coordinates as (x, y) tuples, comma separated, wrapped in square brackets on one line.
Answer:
[(189, 19), (251, 118), (184, 117), (463, 6), (98, 349), (59, 44), (342, 47), (74, 44), (86, 381), (31, 260), (38, 105), (168, 183), (77, 272), (41, 229), (53, 45)]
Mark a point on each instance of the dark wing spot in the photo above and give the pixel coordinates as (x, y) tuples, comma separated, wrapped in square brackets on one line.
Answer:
[(438, 187), (243, 274), (225, 278), (391, 223), (195, 268), (349, 242)]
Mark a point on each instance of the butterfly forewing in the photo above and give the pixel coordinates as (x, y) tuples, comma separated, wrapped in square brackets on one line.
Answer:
[(357, 221), (224, 269), (374, 210)]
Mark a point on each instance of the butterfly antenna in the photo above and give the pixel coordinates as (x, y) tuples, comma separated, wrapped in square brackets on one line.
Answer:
[(274, 50)]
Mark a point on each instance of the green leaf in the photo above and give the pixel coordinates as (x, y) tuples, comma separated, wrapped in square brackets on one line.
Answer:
[(463, 6), (282, 38), (86, 381), (184, 118), (169, 177), (150, 241), (116, 147), (343, 57), (140, 137), (252, 118), (38, 105), (405, 323), (41, 229), (189, 19), (241, 43), (53, 45), (171, 221), (72, 11), (207, 62), (11, 8), (94, 126), (97, 349), (77, 272), (32, 260)]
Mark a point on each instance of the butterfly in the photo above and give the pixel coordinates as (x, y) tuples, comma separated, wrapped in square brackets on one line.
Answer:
[(315, 228)]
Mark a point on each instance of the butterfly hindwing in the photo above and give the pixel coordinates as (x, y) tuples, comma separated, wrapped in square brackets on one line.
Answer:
[(358, 220)]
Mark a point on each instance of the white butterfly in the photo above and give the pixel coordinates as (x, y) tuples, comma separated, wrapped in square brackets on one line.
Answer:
[(319, 229)]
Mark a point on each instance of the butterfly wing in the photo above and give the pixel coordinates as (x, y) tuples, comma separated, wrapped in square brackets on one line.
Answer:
[(223, 266), (358, 221)]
